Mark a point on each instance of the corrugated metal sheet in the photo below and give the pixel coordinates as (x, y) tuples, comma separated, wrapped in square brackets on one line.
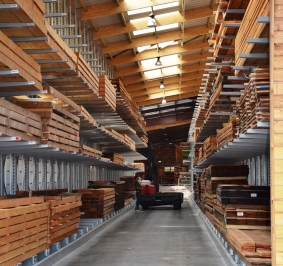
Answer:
[(116, 38), (92, 2), (108, 20), (124, 53), (196, 22), (190, 4), (133, 64)]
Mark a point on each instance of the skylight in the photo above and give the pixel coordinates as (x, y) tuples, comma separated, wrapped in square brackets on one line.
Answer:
[(160, 28), (148, 9)]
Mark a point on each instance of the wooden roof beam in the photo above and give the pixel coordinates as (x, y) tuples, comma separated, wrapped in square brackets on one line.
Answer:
[(172, 62), (111, 8), (185, 69), (174, 124), (174, 49), (168, 99), (165, 19), (167, 81), (150, 40)]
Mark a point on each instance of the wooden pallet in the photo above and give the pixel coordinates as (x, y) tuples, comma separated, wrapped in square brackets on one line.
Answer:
[(23, 228)]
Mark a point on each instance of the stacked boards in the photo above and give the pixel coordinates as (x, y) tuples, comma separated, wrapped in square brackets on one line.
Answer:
[(60, 127), (97, 203), (114, 157), (23, 228)]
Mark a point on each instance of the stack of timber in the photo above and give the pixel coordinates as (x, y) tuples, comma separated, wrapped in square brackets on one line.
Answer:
[(107, 92), (250, 28), (48, 192), (23, 68), (114, 157), (16, 121), (252, 246), (117, 135), (196, 157), (144, 138), (64, 216), (84, 69), (60, 127), (86, 150), (209, 146), (129, 142), (129, 183), (168, 155), (23, 229), (200, 154), (125, 105), (253, 104), (119, 187), (97, 203), (86, 119), (226, 134), (243, 206)]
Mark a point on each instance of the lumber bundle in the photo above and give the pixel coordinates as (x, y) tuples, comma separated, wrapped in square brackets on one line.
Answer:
[(58, 131), (253, 245), (48, 192), (16, 121), (200, 154), (119, 187), (97, 203), (168, 155), (129, 183), (209, 146), (64, 216), (23, 229), (125, 107), (13, 58), (86, 150), (226, 134), (84, 69), (196, 157), (243, 206), (253, 104), (107, 92), (114, 157), (129, 142), (250, 28), (87, 120), (144, 138)]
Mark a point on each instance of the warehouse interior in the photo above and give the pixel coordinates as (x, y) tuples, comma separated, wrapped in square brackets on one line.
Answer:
[(184, 94)]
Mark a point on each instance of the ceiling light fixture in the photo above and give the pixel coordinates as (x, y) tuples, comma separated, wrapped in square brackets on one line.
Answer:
[(163, 100), (158, 62), (151, 21), (161, 86)]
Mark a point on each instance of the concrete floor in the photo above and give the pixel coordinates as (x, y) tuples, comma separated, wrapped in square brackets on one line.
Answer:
[(158, 236)]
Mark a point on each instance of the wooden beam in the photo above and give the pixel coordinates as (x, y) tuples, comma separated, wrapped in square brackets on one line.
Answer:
[(83, 5), (151, 40), (185, 69), (172, 62), (168, 93), (168, 99), (140, 24), (174, 49), (174, 124), (174, 86), (103, 42), (124, 23), (167, 81), (111, 8)]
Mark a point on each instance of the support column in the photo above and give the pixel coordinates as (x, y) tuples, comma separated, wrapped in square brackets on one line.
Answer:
[(276, 130)]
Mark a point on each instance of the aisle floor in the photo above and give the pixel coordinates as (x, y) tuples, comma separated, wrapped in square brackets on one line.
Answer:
[(159, 236)]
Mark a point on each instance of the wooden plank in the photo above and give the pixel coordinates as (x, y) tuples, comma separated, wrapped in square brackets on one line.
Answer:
[(9, 203)]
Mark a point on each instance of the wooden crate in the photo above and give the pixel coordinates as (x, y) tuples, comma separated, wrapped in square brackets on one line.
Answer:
[(23, 229)]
